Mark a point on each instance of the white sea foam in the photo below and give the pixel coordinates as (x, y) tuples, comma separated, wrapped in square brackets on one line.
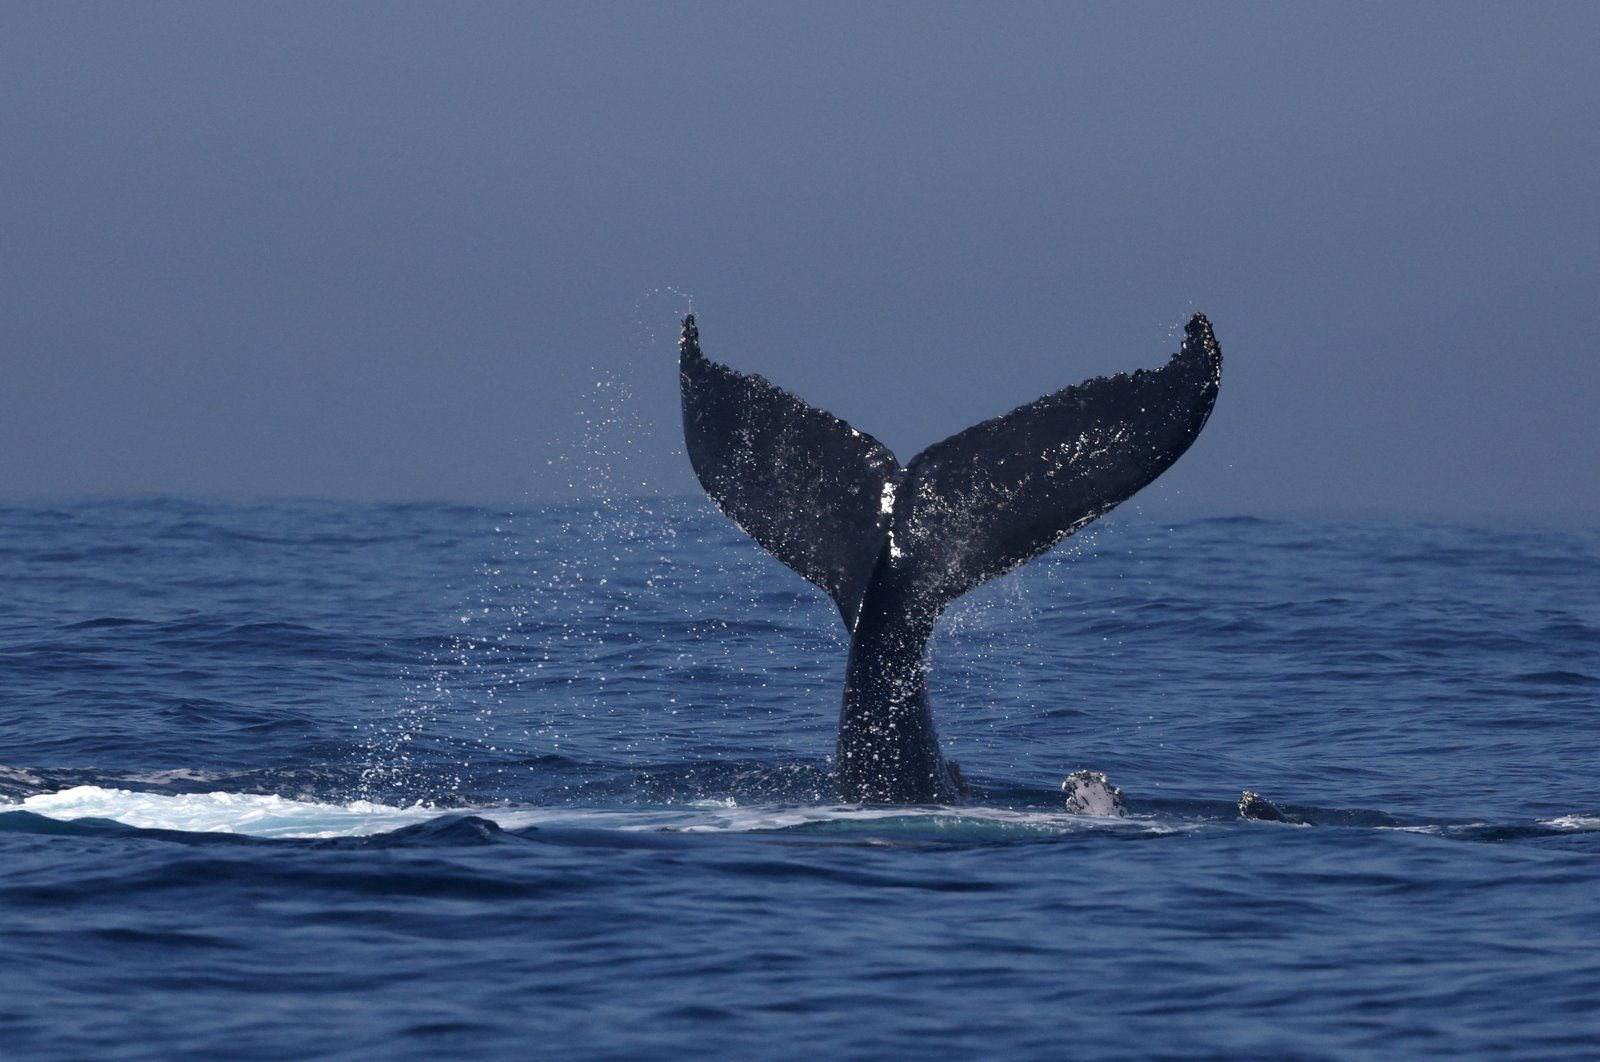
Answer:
[(251, 814), (258, 815), (1574, 822)]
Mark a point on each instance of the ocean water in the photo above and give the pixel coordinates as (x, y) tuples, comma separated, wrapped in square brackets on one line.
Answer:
[(302, 780)]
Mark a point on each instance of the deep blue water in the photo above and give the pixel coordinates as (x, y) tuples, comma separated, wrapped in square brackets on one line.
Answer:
[(317, 780)]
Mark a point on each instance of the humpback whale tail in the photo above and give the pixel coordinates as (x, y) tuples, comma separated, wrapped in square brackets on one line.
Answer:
[(893, 546)]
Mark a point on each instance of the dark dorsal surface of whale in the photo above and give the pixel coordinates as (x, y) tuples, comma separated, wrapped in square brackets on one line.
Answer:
[(894, 546)]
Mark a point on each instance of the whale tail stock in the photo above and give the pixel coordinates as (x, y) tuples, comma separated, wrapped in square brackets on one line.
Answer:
[(894, 546)]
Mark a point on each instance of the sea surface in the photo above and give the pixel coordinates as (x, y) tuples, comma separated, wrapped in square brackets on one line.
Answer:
[(303, 780)]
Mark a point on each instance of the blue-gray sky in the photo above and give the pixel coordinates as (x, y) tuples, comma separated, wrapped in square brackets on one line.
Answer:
[(388, 250)]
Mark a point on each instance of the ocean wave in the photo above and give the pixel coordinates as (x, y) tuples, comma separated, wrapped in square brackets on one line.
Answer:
[(277, 817)]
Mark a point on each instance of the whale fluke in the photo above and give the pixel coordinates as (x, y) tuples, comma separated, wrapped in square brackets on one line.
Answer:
[(998, 494), (894, 546), (804, 484)]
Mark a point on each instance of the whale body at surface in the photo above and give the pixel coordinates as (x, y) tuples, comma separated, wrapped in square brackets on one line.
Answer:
[(894, 546)]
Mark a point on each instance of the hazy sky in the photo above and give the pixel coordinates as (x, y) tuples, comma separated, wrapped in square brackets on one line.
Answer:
[(388, 250)]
